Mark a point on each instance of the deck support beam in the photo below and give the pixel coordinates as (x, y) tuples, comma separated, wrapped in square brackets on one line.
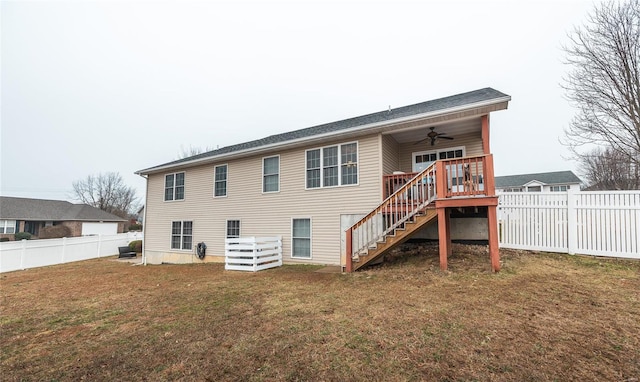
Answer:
[(494, 251), (444, 236), (443, 206)]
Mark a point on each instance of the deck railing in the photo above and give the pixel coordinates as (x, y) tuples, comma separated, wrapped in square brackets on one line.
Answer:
[(469, 176), (407, 200)]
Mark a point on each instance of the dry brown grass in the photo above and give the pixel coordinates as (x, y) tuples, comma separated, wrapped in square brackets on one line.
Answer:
[(544, 317)]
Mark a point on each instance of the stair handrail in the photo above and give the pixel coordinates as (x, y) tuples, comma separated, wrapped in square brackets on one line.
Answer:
[(409, 199)]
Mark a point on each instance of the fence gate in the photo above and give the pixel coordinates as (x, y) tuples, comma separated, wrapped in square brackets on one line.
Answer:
[(602, 223)]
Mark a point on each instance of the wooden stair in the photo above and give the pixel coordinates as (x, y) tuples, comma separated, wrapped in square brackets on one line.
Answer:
[(392, 240)]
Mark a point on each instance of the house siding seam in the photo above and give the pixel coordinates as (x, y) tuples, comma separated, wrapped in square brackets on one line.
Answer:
[(262, 214)]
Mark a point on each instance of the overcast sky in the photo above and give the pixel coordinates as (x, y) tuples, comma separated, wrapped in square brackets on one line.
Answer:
[(90, 87)]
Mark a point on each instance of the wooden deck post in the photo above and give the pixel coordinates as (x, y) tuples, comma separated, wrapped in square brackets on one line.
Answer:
[(349, 249), (444, 236), (494, 251), (485, 134), (441, 180)]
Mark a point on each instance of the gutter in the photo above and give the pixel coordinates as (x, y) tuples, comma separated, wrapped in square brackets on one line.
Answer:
[(294, 142)]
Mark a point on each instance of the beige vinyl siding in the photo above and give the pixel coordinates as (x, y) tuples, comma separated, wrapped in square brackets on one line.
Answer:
[(263, 214), (390, 156), (471, 142)]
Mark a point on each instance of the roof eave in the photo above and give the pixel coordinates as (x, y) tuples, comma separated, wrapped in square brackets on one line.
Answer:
[(41, 219), (295, 142)]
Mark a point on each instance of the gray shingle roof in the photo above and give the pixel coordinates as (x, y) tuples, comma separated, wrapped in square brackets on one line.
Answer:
[(558, 177), (50, 210), (469, 98)]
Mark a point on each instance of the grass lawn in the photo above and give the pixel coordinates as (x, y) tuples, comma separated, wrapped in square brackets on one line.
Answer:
[(543, 317)]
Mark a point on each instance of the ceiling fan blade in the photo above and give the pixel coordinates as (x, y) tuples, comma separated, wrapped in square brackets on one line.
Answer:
[(443, 137), (422, 140)]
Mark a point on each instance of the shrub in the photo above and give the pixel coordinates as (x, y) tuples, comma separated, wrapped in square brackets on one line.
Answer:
[(54, 232), (22, 235), (4, 239), (135, 227), (136, 245)]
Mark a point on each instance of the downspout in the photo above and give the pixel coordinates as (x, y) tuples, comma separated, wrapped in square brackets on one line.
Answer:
[(144, 219)]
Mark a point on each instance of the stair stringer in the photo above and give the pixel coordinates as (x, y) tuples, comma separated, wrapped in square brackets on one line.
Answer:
[(393, 240)]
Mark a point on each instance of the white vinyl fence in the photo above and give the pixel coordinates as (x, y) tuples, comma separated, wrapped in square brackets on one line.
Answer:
[(252, 253), (600, 223), (24, 254)]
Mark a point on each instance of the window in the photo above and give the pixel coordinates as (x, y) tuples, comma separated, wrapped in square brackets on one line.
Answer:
[(233, 229), (558, 188), (301, 238), (423, 159), (271, 174), (7, 226), (332, 166), (220, 181), (450, 154), (426, 158), (182, 235), (313, 168), (349, 163), (174, 186), (534, 189)]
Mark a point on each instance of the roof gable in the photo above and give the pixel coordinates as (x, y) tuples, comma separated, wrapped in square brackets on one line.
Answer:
[(546, 178), (433, 106), (51, 210)]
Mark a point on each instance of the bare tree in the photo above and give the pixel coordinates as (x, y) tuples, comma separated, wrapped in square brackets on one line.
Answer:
[(186, 152), (604, 83), (106, 192), (607, 169)]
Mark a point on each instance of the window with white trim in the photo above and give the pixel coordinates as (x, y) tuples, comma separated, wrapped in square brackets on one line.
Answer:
[(7, 226), (174, 186), (423, 159), (332, 166), (220, 181), (233, 229), (301, 238), (271, 174), (558, 188), (182, 235)]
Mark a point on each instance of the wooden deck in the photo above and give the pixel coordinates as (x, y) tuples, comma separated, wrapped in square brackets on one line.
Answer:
[(413, 200)]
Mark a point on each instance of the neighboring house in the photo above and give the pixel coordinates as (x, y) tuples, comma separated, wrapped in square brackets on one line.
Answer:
[(31, 215), (140, 214), (558, 181), (342, 193)]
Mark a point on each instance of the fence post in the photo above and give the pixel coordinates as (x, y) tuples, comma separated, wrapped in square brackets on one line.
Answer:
[(64, 246), (572, 222), (99, 244), (255, 254), (23, 253)]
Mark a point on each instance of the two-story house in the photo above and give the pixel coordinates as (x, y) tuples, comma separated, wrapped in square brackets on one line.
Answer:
[(341, 193)]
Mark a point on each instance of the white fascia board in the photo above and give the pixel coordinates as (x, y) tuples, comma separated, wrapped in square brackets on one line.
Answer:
[(295, 142)]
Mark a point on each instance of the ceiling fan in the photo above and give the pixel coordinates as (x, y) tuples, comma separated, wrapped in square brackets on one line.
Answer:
[(433, 136)]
